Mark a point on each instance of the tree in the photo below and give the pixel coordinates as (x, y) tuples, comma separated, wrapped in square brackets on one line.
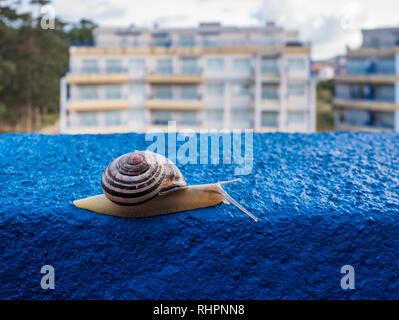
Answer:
[(32, 62), (82, 32)]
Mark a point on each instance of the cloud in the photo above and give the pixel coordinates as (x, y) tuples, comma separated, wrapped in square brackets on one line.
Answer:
[(329, 25), (170, 21)]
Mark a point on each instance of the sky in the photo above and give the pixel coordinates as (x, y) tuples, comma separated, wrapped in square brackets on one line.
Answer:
[(329, 25)]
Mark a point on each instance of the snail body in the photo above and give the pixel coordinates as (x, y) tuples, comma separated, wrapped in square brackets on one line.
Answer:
[(143, 184)]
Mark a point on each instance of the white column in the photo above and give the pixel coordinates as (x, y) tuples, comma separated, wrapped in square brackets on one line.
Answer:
[(283, 94), (227, 104), (63, 105), (258, 93)]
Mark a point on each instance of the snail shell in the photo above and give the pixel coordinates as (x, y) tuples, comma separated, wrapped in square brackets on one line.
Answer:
[(139, 176), (143, 184)]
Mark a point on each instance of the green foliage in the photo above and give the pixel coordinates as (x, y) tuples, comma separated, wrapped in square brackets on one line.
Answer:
[(82, 33), (32, 62), (327, 85), (325, 111)]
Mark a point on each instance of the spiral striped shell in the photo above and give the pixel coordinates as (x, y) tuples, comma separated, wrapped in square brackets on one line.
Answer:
[(137, 177)]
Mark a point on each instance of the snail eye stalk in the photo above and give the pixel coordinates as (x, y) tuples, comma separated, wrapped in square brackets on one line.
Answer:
[(231, 200)]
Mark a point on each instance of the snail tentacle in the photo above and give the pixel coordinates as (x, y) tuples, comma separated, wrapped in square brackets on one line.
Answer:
[(230, 199)]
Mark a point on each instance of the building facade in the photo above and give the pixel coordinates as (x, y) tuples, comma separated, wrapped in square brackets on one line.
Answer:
[(212, 76), (367, 88)]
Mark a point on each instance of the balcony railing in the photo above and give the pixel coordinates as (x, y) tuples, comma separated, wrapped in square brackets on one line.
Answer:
[(182, 70), (366, 68), (101, 97), (270, 69), (170, 96), (187, 122), (96, 70), (205, 43), (163, 70), (191, 70), (270, 96), (378, 96)]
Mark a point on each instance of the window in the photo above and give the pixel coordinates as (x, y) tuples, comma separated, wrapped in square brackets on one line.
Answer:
[(269, 119), (88, 92), (188, 118), (296, 116), (296, 89), (136, 41), (215, 89), (215, 64), (124, 42), (386, 66), (385, 93), (137, 115), (357, 66), (374, 42), (296, 63), (189, 65), (113, 66), (164, 66), (269, 91), (214, 115), (269, 65), (210, 40), (137, 89), (241, 89), (161, 117), (242, 64), (163, 91), (241, 115), (113, 118), (382, 119), (113, 91), (137, 64), (88, 118), (357, 117), (268, 40), (189, 92), (90, 66), (161, 40), (187, 41)]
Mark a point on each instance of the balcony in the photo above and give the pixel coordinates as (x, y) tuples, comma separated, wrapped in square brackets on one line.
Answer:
[(270, 77), (374, 105), (99, 130), (162, 103), (98, 104), (269, 69), (167, 75), (343, 126), (371, 65), (367, 78), (270, 96), (271, 103), (96, 75)]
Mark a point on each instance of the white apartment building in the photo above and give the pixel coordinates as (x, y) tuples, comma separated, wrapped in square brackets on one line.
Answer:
[(136, 79), (367, 85)]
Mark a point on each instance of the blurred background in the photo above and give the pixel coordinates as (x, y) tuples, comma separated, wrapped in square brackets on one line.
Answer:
[(125, 66)]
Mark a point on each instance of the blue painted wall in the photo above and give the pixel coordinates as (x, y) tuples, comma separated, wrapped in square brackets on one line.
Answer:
[(324, 201)]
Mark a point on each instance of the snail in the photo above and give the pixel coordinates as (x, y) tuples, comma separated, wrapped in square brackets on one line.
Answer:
[(143, 184)]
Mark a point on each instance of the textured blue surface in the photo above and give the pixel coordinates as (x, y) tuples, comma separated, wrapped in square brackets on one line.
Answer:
[(324, 201)]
